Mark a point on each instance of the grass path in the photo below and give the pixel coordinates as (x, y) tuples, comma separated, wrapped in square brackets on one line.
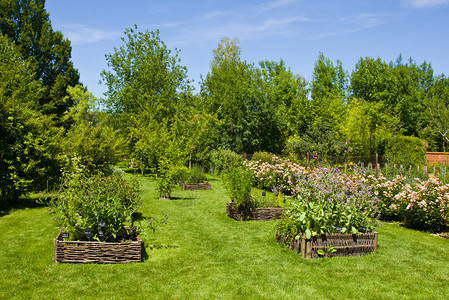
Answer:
[(202, 254)]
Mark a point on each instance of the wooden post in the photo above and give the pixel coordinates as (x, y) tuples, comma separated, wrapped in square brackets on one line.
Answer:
[(303, 245), (377, 165)]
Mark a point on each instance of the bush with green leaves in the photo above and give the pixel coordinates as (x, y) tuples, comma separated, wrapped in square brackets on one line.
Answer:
[(237, 182), (224, 160), (185, 175), (99, 204), (164, 180), (403, 150), (328, 201), (263, 156)]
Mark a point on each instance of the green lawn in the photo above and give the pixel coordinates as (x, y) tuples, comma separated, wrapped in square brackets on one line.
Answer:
[(201, 253)]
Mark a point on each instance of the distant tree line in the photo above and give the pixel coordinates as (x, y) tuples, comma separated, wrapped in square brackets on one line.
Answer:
[(50, 124)]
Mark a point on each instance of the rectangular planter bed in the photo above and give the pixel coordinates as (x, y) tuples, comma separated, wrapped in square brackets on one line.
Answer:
[(97, 252), (195, 186), (253, 214), (344, 244)]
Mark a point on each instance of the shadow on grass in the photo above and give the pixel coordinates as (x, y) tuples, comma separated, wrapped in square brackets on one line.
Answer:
[(21, 203), (181, 198)]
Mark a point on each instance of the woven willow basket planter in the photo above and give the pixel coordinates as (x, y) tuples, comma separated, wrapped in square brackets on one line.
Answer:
[(195, 186), (80, 252), (253, 214), (344, 244)]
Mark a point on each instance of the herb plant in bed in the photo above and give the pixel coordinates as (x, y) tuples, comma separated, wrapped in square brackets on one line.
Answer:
[(191, 179), (244, 206), (332, 215), (96, 218)]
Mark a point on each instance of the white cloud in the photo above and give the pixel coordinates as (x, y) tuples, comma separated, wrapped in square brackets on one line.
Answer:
[(426, 3), (79, 34)]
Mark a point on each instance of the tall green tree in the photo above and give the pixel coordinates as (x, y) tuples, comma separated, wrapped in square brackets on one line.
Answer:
[(90, 145), (144, 80), (328, 92), (287, 95), (27, 24), (227, 91), (29, 143), (399, 91), (147, 90), (250, 103), (438, 107)]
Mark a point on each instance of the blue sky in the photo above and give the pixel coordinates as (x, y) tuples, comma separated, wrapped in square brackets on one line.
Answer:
[(293, 30)]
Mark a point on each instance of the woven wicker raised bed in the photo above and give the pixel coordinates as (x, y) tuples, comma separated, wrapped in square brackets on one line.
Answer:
[(79, 252), (344, 244), (195, 186), (253, 214)]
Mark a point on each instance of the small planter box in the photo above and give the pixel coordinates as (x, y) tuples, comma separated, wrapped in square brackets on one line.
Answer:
[(195, 186), (345, 244), (80, 252), (253, 214)]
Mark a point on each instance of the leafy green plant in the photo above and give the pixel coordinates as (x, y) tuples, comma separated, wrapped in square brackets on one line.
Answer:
[(328, 202), (101, 205), (164, 181), (263, 156), (224, 160), (185, 175), (329, 250), (237, 182)]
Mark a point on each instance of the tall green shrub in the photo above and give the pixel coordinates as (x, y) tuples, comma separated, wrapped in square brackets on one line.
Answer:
[(237, 182), (404, 150)]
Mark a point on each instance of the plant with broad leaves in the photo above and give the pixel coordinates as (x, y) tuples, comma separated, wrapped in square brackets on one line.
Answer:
[(329, 202), (101, 205)]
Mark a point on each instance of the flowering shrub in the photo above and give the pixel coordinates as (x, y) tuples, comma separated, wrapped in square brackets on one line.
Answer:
[(96, 205), (424, 205), (279, 175), (328, 202), (386, 190)]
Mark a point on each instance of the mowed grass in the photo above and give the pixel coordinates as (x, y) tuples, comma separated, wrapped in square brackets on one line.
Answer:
[(202, 254)]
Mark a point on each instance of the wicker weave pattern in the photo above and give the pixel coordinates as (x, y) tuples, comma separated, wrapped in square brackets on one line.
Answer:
[(253, 214), (345, 244), (195, 186), (97, 252)]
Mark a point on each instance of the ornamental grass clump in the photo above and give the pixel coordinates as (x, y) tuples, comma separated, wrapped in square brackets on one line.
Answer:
[(96, 207), (328, 201)]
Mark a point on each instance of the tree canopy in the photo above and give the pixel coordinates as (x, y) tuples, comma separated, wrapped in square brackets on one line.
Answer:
[(27, 24)]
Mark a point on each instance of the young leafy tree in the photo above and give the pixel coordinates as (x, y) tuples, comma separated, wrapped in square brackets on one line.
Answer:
[(328, 91), (146, 87), (227, 91), (145, 79), (27, 24), (89, 143)]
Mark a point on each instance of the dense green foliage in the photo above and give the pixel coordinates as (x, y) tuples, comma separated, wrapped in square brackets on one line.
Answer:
[(29, 148), (101, 205), (237, 182), (27, 24), (329, 202)]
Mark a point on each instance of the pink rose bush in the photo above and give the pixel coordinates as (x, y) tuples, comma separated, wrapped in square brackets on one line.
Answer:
[(425, 205), (422, 205), (278, 175)]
